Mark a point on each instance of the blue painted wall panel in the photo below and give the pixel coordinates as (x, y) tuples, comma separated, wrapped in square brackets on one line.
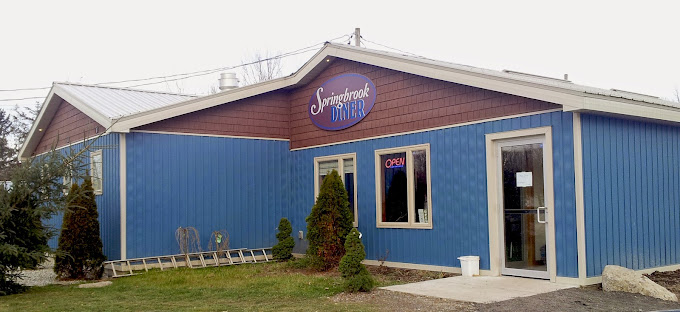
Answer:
[(459, 193), (108, 203), (631, 187), (209, 183)]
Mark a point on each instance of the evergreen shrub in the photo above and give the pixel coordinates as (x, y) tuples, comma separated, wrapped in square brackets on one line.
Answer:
[(79, 253), (284, 249), (328, 224), (356, 277)]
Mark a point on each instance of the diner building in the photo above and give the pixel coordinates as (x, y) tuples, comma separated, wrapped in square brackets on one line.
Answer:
[(539, 177)]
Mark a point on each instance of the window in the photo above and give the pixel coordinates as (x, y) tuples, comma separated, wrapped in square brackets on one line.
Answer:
[(345, 164), (96, 171), (403, 198)]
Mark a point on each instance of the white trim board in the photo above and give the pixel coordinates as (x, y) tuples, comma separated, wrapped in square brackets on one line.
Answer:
[(210, 135), (580, 206), (123, 195)]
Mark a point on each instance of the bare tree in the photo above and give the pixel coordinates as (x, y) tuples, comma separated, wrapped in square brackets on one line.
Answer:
[(677, 95), (22, 120), (260, 67)]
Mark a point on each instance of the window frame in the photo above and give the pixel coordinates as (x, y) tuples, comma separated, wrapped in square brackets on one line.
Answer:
[(101, 174), (67, 180), (340, 158), (411, 224)]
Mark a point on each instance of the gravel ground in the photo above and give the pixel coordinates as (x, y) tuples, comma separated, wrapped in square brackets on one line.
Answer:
[(42, 276)]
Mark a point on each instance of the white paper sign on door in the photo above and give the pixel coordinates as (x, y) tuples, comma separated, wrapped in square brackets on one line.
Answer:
[(524, 179)]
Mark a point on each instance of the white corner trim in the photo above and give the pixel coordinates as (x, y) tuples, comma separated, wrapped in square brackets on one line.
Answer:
[(431, 129), (210, 135), (123, 196), (580, 205)]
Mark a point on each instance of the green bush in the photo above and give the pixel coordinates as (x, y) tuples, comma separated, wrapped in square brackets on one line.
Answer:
[(23, 239), (329, 223), (79, 254), (283, 250), (35, 196), (357, 278)]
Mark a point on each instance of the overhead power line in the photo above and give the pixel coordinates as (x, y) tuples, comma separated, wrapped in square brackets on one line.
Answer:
[(181, 76), (384, 46), (21, 99)]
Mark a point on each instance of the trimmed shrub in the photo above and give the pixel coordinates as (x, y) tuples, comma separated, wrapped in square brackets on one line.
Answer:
[(357, 278), (283, 250), (79, 254), (328, 224)]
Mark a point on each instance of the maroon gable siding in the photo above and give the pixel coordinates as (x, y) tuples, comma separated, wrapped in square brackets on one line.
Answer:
[(404, 102), (265, 115), (68, 125)]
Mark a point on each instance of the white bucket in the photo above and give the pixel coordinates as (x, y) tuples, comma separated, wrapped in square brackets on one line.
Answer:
[(469, 265)]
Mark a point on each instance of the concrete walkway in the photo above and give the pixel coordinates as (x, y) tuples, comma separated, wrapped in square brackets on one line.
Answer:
[(480, 289)]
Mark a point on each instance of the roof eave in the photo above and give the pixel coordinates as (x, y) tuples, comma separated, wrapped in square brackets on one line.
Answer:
[(47, 112)]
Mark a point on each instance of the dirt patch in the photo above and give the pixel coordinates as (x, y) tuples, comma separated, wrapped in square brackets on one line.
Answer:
[(670, 280), (396, 301), (590, 298), (402, 276)]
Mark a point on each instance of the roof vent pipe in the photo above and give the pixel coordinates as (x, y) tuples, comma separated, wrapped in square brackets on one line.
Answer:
[(228, 81)]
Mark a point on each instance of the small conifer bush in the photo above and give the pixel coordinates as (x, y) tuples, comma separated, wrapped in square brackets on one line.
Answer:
[(79, 253), (283, 250), (328, 224), (356, 277)]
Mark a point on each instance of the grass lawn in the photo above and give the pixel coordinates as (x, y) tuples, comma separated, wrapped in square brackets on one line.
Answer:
[(248, 287)]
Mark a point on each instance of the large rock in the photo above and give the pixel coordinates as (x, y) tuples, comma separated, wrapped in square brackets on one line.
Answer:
[(616, 278)]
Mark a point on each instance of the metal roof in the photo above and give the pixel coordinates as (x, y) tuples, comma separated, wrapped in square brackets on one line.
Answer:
[(114, 103)]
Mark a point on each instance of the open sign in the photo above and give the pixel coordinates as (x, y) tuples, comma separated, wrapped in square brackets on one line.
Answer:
[(395, 162)]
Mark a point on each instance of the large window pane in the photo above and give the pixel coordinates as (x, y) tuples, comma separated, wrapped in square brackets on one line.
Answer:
[(420, 183), (394, 188)]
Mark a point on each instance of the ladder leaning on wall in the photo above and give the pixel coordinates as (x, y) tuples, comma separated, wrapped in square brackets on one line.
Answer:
[(127, 267)]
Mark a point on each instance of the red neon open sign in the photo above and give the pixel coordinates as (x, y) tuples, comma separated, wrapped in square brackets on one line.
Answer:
[(395, 162)]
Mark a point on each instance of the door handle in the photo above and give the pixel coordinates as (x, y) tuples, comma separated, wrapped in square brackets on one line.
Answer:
[(538, 214)]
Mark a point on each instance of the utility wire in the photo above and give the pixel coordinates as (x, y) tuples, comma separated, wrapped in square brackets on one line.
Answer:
[(21, 99), (384, 46), (188, 75)]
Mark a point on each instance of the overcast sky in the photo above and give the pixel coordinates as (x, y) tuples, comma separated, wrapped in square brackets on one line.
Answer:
[(608, 44)]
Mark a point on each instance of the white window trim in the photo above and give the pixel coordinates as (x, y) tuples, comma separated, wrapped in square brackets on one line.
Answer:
[(101, 184), (67, 180), (411, 224), (340, 158)]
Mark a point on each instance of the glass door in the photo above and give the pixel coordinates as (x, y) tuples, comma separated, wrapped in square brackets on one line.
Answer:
[(522, 178)]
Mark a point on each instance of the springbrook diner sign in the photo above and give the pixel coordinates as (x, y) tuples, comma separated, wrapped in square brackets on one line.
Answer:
[(342, 102)]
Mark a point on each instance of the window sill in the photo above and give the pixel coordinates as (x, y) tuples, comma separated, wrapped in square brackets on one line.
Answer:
[(383, 225)]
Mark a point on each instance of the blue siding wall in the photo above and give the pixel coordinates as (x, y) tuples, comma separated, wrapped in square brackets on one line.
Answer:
[(208, 183), (459, 193), (108, 204), (631, 192)]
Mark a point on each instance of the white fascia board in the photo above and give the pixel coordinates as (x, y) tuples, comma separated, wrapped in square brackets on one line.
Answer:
[(444, 73), (625, 108), (84, 108)]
